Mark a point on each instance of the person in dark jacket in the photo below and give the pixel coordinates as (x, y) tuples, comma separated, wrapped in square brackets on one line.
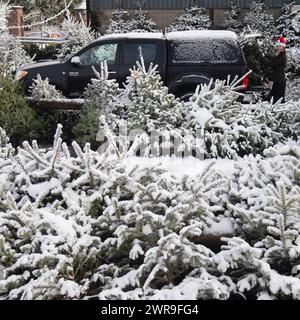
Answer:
[(278, 77)]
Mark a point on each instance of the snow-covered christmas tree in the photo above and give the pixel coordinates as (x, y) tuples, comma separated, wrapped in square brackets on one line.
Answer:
[(119, 22), (232, 16), (193, 18), (152, 106), (42, 89), (12, 53), (76, 36), (102, 98), (4, 9), (284, 23), (259, 20)]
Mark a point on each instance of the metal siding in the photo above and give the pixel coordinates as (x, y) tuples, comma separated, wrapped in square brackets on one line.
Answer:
[(180, 4)]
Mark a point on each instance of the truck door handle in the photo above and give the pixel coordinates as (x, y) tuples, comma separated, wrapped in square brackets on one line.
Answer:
[(112, 72)]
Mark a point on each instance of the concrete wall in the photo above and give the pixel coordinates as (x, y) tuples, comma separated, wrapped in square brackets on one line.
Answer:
[(163, 18)]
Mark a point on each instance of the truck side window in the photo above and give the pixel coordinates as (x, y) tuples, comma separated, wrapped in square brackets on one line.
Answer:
[(99, 53), (206, 51), (131, 52)]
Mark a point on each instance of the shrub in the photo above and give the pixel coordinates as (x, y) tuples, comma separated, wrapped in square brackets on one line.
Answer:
[(16, 117)]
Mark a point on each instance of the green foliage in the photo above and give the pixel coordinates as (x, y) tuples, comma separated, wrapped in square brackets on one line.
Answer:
[(101, 99), (48, 53), (16, 117), (258, 53), (152, 106)]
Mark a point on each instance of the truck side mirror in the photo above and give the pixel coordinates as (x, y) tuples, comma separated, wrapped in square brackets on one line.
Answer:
[(75, 60)]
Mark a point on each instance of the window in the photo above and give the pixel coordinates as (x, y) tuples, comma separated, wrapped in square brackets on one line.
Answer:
[(206, 51), (95, 55), (132, 50)]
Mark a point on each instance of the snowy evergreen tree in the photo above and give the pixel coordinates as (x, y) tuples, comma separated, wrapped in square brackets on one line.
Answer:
[(284, 23), (141, 23), (76, 35), (231, 17), (12, 53), (85, 226), (42, 89), (229, 128), (193, 18), (102, 98), (259, 20), (151, 106), (4, 9), (119, 22)]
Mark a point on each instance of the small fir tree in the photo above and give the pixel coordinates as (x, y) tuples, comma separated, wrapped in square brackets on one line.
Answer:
[(102, 98), (260, 21), (231, 17), (43, 90), (284, 23), (193, 18), (151, 107), (119, 22), (76, 36)]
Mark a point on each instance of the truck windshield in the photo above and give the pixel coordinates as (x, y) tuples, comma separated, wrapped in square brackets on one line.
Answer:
[(205, 51)]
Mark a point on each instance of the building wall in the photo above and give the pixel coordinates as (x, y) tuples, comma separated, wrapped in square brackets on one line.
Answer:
[(16, 21)]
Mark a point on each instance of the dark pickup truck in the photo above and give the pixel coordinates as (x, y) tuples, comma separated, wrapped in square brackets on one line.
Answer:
[(185, 60)]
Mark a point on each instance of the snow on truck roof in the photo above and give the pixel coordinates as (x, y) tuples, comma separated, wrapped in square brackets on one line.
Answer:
[(178, 35), (134, 35), (201, 34)]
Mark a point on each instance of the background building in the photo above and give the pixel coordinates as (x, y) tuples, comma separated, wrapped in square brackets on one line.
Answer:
[(164, 12)]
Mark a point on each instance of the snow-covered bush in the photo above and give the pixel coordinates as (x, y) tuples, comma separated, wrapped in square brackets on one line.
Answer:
[(86, 226), (42, 89), (259, 20), (102, 98), (119, 22), (232, 17), (141, 23), (293, 88), (150, 106), (4, 10), (144, 104), (193, 18), (284, 23), (76, 36), (68, 222), (12, 52), (229, 128)]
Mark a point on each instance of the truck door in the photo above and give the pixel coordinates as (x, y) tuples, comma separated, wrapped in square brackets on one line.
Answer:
[(152, 51), (80, 73)]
